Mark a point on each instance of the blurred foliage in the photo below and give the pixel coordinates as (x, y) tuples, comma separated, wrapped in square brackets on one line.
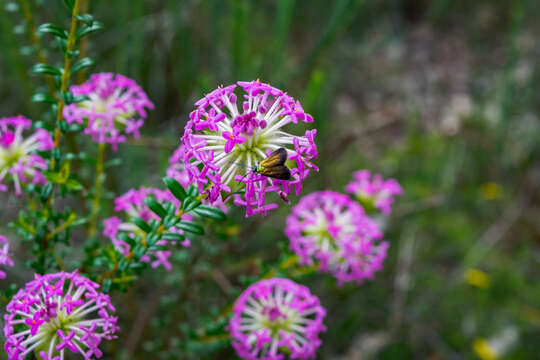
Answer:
[(442, 95)]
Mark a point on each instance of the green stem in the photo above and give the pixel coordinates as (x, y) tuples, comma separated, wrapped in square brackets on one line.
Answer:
[(65, 77), (98, 190), (71, 41)]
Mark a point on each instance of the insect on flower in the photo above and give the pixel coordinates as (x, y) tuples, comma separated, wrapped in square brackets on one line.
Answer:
[(241, 124), (274, 166)]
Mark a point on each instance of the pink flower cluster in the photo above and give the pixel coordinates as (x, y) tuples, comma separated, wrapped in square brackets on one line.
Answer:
[(276, 319), (55, 313), (132, 203), (116, 107), (5, 260), (19, 161), (331, 230), (227, 136), (374, 192)]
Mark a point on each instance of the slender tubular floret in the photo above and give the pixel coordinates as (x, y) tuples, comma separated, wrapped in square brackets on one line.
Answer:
[(57, 313), (115, 107), (274, 318), (20, 161), (331, 230), (229, 134)]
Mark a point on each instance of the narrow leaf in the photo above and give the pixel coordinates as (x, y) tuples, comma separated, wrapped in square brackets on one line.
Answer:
[(54, 30), (210, 212), (155, 207), (190, 204), (192, 191), (190, 227), (43, 98), (173, 237), (46, 69), (82, 64), (141, 224), (69, 4), (176, 189), (89, 29)]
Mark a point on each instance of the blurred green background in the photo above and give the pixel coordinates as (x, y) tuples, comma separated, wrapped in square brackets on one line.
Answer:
[(441, 95)]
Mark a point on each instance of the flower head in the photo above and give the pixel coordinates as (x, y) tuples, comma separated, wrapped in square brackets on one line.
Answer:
[(56, 313), (116, 107), (374, 192), (332, 230), (19, 161), (5, 260), (132, 203), (227, 136), (276, 317)]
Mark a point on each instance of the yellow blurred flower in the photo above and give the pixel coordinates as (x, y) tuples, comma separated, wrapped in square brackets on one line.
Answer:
[(491, 191), (232, 230), (475, 277), (483, 350)]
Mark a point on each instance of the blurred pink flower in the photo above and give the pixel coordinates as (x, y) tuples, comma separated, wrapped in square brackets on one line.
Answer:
[(375, 192), (116, 107), (331, 230), (19, 161)]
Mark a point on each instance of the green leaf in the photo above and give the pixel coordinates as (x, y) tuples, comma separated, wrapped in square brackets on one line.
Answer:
[(141, 224), (125, 237), (54, 30), (53, 176), (86, 18), (139, 251), (173, 237), (80, 221), (74, 185), (155, 207), (113, 162), (175, 187), (106, 285), (68, 96), (80, 98), (89, 29), (152, 238), (46, 69), (82, 64), (190, 204), (136, 265), (190, 227), (69, 4), (192, 191), (170, 221), (46, 192), (210, 212), (122, 265), (43, 98)]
